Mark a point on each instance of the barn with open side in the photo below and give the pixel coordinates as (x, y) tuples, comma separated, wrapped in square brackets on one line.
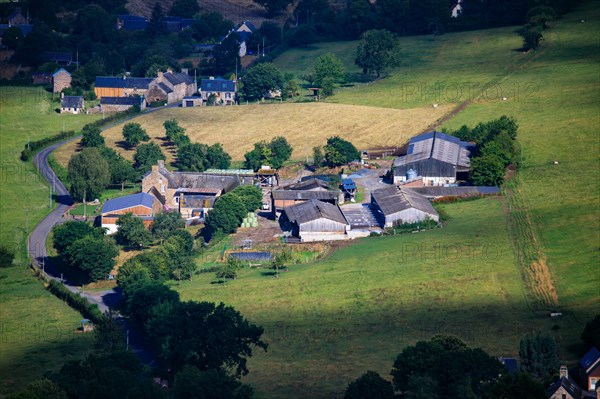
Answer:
[(314, 220), (142, 205)]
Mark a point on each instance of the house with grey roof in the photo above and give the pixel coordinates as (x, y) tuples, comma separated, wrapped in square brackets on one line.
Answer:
[(394, 206), (171, 87), (224, 91), (120, 104), (72, 104), (192, 194), (436, 158), (315, 220)]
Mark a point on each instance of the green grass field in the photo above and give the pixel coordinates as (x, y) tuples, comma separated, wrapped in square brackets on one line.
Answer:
[(331, 321), (37, 333)]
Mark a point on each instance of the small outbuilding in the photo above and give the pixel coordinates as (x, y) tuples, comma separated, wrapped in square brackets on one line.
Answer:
[(120, 104), (61, 80), (315, 221), (394, 206), (142, 205), (72, 104), (191, 101)]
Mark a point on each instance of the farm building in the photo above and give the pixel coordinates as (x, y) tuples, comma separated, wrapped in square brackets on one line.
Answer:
[(72, 104), (589, 370), (120, 104), (434, 192), (315, 220), (141, 205), (131, 22), (191, 101), (61, 80), (62, 58), (171, 87), (190, 193), (282, 198), (224, 91), (394, 206), (437, 158), (41, 78), (349, 188), (114, 86)]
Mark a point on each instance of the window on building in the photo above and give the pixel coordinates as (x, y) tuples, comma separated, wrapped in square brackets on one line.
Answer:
[(162, 188), (176, 200), (564, 396)]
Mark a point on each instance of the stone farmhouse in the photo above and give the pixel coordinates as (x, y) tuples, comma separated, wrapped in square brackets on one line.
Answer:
[(72, 104), (224, 91), (171, 87), (190, 193), (61, 80), (434, 158)]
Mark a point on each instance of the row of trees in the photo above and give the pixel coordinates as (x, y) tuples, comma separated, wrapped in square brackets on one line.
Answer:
[(496, 149), (274, 153)]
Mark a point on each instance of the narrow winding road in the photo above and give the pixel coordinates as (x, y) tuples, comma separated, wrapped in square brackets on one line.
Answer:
[(36, 247)]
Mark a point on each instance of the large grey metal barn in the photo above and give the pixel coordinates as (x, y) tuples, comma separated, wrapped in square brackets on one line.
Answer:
[(392, 206)]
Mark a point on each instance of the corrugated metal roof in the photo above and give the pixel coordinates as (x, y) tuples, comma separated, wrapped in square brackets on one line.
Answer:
[(436, 145), (393, 200), (129, 201), (133, 100), (300, 195), (308, 211), (348, 184), (122, 83), (252, 256)]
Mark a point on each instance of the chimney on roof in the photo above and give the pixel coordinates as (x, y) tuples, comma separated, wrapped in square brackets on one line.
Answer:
[(563, 372), (185, 70), (161, 163), (62, 94), (160, 75), (169, 70)]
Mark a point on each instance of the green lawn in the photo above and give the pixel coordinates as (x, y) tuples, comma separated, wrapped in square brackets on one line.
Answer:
[(26, 308), (300, 61)]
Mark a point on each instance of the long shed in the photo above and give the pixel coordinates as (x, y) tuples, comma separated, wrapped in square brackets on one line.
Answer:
[(142, 205), (394, 206), (315, 220)]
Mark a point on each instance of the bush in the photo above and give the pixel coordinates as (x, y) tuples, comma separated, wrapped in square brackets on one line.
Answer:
[(7, 257), (77, 302)]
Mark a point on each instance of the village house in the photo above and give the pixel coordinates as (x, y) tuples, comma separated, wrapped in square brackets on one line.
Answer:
[(192, 194), (112, 86), (171, 87), (589, 370), (61, 80), (142, 205), (17, 18), (244, 31), (393, 206), (224, 91), (435, 158), (315, 220), (72, 104), (119, 104)]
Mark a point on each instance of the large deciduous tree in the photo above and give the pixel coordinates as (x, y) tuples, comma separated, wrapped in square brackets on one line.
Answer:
[(376, 51), (93, 255), (121, 170), (147, 155), (539, 356), (339, 151), (88, 173), (369, 386), (274, 153), (185, 8), (261, 79), (134, 134), (226, 215), (131, 231), (92, 136), (328, 66)]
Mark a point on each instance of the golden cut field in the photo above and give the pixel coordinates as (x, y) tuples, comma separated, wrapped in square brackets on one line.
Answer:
[(238, 128)]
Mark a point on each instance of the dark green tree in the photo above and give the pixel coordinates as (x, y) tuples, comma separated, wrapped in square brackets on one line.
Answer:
[(539, 356), (175, 133), (376, 51), (166, 223), (134, 134), (591, 333), (217, 158), (226, 215), (487, 170), (88, 173), (210, 26), (226, 54), (229, 269), (7, 256), (260, 79), (281, 151), (207, 336), (12, 37), (274, 153), (131, 231), (192, 157), (185, 8), (92, 136), (147, 155), (532, 35), (519, 385), (95, 256), (328, 66), (192, 383), (421, 387), (156, 25), (339, 151), (258, 156), (327, 87), (95, 24), (67, 233), (318, 156), (121, 170), (369, 386), (143, 301), (41, 389), (251, 197)]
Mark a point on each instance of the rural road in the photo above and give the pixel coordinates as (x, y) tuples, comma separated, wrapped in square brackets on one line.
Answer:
[(36, 247)]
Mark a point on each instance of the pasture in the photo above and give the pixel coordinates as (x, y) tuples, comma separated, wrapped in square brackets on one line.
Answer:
[(304, 125)]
